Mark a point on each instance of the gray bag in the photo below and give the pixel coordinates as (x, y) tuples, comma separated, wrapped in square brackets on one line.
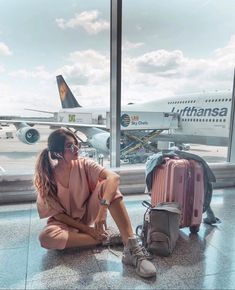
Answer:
[(160, 229)]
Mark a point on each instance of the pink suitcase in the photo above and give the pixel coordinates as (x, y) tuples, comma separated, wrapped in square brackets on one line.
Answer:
[(181, 180)]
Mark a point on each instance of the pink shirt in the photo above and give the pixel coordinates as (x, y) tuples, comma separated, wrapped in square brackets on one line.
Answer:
[(84, 177)]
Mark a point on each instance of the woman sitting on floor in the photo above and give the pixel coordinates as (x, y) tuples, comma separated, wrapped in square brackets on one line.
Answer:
[(75, 194)]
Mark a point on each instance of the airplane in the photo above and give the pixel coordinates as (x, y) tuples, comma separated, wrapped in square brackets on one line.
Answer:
[(202, 118)]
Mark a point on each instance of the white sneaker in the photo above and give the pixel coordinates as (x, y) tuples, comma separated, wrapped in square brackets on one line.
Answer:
[(134, 255)]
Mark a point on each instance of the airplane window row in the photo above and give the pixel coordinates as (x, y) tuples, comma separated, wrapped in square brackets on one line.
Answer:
[(219, 100), (182, 102), (203, 120), (194, 101)]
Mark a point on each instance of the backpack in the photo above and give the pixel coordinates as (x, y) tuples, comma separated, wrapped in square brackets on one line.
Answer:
[(160, 229)]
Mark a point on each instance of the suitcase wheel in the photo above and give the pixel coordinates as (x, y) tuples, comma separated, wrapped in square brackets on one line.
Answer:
[(138, 230), (194, 229)]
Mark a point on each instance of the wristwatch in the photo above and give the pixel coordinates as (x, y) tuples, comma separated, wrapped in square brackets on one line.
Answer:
[(105, 202)]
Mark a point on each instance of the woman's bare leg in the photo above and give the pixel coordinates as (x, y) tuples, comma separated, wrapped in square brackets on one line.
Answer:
[(80, 240), (119, 214)]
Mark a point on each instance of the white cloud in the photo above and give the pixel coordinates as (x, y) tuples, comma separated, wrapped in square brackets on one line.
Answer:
[(162, 73), (4, 49), (2, 69), (131, 45), (39, 72), (152, 75), (88, 66), (88, 20), (160, 61), (149, 76)]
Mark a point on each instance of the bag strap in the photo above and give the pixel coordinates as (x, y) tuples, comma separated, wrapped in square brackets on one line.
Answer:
[(141, 230)]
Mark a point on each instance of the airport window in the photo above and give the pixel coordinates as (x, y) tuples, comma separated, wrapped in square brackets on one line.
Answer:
[(95, 49)]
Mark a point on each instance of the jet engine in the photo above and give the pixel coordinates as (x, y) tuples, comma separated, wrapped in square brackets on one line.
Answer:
[(28, 135), (100, 141)]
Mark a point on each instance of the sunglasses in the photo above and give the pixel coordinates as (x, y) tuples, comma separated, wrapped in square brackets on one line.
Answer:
[(73, 148)]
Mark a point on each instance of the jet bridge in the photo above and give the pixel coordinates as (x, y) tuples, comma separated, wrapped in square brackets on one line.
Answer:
[(133, 120), (150, 123)]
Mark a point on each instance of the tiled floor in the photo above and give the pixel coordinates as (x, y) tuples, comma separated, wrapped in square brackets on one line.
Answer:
[(203, 261)]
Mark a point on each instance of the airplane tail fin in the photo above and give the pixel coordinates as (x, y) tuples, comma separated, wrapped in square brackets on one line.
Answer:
[(66, 96)]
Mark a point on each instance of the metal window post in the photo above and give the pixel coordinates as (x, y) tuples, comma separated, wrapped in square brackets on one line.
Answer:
[(115, 80), (231, 144)]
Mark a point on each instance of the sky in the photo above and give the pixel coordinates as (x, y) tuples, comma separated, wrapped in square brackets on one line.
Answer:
[(170, 47)]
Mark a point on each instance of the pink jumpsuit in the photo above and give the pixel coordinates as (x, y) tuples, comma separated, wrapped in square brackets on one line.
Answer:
[(79, 201)]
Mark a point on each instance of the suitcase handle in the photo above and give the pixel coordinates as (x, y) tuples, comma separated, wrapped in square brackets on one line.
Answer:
[(147, 204)]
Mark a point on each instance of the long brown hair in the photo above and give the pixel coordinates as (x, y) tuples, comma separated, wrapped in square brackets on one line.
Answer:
[(44, 180)]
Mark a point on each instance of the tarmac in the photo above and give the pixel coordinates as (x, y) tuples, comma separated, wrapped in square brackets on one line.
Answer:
[(16, 156)]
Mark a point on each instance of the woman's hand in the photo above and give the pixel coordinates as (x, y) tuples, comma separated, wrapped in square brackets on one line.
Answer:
[(97, 234), (100, 221)]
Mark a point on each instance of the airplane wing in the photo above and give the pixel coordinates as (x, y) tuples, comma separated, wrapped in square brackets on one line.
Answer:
[(41, 111), (29, 135), (98, 135), (56, 124)]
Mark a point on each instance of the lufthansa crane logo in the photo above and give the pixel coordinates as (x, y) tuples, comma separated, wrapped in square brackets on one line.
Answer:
[(63, 91), (125, 120)]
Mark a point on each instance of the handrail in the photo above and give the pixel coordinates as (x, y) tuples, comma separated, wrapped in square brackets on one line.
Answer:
[(15, 188)]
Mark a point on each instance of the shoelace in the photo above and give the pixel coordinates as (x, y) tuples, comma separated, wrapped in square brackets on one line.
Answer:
[(111, 251), (112, 236), (147, 254), (139, 252), (145, 251)]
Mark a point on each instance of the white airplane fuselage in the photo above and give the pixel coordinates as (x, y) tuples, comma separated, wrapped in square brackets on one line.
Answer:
[(204, 117)]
